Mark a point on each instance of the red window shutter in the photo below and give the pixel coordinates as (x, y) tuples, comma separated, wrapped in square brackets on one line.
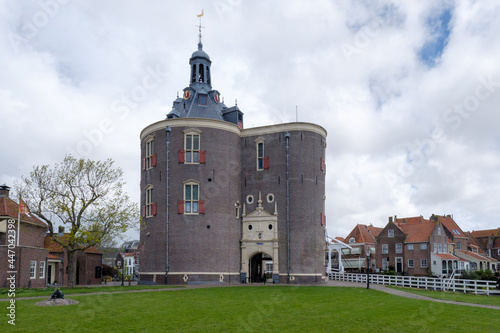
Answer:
[(322, 164), (323, 219), (202, 156), (143, 164), (201, 207), (153, 209), (181, 156), (153, 160), (143, 211), (180, 207), (266, 162)]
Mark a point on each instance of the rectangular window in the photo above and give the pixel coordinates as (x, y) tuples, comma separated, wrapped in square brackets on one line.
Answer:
[(498, 252), (445, 250), (399, 247), (149, 202), (385, 264), (440, 248), (410, 247), (459, 247), (423, 263), (390, 233), (260, 156), (411, 263), (42, 270), (435, 248), (192, 149), (439, 231), (202, 99), (150, 155), (423, 246), (33, 270), (385, 248), (191, 198)]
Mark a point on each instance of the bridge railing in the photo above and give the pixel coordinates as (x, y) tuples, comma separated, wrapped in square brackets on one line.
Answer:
[(456, 285)]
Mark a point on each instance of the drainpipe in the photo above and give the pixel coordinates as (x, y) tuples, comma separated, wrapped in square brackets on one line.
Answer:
[(168, 130), (287, 138)]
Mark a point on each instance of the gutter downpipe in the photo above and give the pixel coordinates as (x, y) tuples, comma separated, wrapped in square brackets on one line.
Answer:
[(168, 130), (287, 138)]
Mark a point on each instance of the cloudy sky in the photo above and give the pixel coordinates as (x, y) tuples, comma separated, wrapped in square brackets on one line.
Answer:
[(409, 91)]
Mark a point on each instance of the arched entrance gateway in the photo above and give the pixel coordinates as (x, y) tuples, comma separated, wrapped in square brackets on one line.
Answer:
[(259, 246)]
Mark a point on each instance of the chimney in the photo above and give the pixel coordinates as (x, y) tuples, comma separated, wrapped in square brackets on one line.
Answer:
[(4, 191), (390, 219)]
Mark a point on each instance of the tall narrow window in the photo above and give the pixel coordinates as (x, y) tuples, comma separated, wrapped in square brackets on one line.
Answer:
[(150, 207), (150, 155), (262, 161), (201, 73), (33, 270), (42, 270), (399, 247), (191, 198), (192, 148)]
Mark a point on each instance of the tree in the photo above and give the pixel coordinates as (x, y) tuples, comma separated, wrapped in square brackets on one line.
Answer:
[(83, 195)]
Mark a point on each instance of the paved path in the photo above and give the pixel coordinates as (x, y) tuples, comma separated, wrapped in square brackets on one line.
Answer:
[(404, 293)]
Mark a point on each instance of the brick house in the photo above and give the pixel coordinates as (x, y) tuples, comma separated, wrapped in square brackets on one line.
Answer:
[(361, 239), (88, 264), (389, 247), (30, 257), (489, 240)]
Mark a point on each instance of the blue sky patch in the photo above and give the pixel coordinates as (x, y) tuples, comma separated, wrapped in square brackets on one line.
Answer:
[(439, 33)]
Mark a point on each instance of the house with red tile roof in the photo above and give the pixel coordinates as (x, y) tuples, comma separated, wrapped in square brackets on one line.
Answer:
[(489, 240), (361, 239), (21, 246), (88, 263)]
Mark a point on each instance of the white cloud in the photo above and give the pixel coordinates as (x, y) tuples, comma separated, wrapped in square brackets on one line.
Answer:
[(352, 67)]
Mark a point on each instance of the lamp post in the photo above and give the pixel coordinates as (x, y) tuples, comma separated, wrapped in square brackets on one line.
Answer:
[(368, 268)]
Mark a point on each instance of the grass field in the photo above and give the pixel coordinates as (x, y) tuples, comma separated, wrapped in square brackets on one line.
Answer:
[(251, 309)]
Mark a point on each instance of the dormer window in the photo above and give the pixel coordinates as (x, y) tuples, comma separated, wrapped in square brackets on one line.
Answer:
[(202, 99), (352, 240)]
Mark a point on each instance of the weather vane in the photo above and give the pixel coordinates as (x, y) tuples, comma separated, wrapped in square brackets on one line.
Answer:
[(200, 26)]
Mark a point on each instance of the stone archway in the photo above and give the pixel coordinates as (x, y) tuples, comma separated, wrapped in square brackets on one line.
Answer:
[(259, 239), (260, 268)]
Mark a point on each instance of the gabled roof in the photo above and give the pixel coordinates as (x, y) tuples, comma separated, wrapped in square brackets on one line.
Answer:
[(486, 233), (450, 224), (10, 208), (472, 241), (472, 255), (418, 232), (55, 247), (340, 239), (447, 256), (410, 220), (364, 234)]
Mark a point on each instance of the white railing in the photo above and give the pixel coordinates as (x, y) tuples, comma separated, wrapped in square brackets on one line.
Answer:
[(455, 285)]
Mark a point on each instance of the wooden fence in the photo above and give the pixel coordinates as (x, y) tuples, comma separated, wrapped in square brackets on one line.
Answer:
[(478, 287)]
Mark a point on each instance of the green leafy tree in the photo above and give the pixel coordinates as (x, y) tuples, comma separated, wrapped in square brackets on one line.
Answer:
[(86, 197)]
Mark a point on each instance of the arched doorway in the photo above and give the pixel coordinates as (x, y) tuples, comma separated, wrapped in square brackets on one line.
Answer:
[(260, 268)]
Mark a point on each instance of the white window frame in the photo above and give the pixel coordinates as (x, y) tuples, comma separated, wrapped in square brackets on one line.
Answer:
[(149, 200), (409, 247), (390, 233), (191, 204), (423, 246), (399, 247), (259, 153), (149, 153), (33, 269), (192, 153), (423, 263), (41, 270), (435, 248), (459, 247), (385, 264), (440, 248), (385, 248), (439, 231), (411, 263), (498, 252)]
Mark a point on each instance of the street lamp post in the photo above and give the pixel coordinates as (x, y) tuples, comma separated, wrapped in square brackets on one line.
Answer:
[(368, 269)]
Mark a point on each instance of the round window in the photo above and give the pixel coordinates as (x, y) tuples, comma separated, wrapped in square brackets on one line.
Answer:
[(270, 198), (249, 199), (250, 227), (270, 226)]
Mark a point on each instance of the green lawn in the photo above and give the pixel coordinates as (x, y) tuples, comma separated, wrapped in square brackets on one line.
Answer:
[(252, 309), (455, 296), (4, 293)]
